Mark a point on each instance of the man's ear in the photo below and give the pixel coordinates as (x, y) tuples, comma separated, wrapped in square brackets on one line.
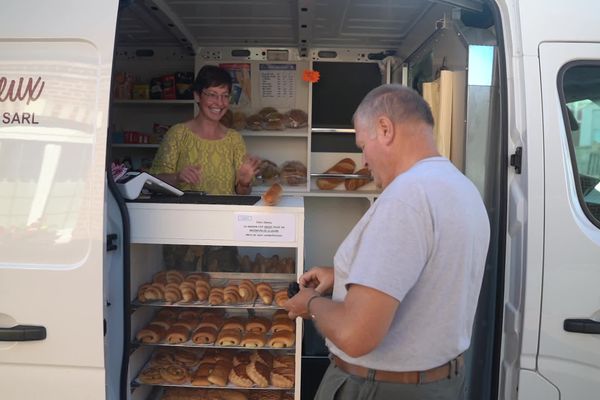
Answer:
[(386, 130)]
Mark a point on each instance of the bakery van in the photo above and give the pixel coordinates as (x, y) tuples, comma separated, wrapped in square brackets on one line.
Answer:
[(116, 285)]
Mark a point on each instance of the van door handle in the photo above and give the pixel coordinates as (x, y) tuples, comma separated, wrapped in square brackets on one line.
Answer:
[(581, 325), (22, 333)]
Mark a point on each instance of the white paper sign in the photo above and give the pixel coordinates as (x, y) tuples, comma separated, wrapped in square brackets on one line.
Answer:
[(259, 227)]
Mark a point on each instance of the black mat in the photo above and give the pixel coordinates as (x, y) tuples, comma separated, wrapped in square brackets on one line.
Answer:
[(198, 198)]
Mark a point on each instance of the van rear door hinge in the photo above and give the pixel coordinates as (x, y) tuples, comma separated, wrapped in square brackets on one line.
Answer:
[(111, 238), (516, 159)]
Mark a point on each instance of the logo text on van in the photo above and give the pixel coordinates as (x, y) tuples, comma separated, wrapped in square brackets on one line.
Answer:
[(20, 90), (13, 90)]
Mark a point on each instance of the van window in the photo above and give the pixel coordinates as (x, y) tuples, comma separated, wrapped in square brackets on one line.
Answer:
[(581, 93)]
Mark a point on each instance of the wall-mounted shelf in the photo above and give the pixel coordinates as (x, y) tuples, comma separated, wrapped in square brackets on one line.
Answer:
[(155, 102)]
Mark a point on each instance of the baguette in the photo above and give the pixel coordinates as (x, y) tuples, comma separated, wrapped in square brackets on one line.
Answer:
[(355, 183), (273, 194), (345, 166)]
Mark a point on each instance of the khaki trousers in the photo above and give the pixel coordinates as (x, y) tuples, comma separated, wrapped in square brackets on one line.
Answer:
[(339, 385)]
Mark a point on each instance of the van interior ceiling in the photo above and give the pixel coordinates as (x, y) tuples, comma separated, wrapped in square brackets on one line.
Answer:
[(425, 44)]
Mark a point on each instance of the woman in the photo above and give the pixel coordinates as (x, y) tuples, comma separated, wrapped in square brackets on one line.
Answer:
[(202, 154)]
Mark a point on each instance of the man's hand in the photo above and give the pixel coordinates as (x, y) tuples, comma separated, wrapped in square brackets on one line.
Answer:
[(297, 306), (319, 278)]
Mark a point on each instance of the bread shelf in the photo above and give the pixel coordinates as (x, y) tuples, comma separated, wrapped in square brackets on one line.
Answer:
[(302, 133), (154, 102)]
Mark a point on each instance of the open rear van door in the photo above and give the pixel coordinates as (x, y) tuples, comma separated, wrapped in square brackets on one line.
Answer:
[(55, 68), (569, 343)]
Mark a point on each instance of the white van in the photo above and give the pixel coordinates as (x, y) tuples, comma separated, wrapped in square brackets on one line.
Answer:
[(515, 86)]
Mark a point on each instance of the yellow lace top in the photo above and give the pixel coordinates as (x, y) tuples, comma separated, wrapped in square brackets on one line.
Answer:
[(219, 159)]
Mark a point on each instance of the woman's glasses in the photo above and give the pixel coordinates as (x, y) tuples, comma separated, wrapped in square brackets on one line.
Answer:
[(216, 96)]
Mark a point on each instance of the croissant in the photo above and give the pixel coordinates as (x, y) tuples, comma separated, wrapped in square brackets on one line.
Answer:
[(202, 289), (154, 292), (174, 276), (216, 296), (281, 297), (231, 295), (141, 292), (172, 293), (265, 292), (188, 291), (247, 290)]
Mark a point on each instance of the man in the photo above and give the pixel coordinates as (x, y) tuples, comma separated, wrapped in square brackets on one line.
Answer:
[(407, 278)]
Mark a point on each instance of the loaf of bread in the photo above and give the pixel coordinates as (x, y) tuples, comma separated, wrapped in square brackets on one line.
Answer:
[(272, 195), (345, 166), (355, 183)]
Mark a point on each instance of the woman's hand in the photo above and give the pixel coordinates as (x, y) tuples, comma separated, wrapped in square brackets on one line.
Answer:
[(319, 278), (190, 174), (247, 170)]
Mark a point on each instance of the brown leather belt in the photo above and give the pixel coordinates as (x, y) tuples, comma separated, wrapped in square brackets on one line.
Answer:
[(444, 371)]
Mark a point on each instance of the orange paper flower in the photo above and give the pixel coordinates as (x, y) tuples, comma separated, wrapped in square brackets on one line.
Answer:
[(311, 76)]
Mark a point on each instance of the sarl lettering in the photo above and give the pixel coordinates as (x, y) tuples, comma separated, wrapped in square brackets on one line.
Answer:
[(19, 118), (14, 90)]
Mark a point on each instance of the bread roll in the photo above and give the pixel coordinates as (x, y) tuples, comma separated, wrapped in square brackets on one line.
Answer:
[(282, 339), (345, 166), (204, 335), (283, 324), (258, 325), (229, 337), (177, 334), (273, 194), (253, 339), (355, 183), (153, 333)]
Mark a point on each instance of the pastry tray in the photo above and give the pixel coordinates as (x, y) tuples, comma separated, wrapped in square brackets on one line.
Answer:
[(222, 283), (137, 382)]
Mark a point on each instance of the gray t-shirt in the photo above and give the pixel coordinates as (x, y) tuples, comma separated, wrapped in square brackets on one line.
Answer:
[(424, 242)]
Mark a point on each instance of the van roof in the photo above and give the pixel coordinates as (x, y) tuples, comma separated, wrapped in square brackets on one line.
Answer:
[(299, 24)]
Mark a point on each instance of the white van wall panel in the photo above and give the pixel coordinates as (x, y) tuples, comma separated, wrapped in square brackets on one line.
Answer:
[(70, 46), (562, 21)]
